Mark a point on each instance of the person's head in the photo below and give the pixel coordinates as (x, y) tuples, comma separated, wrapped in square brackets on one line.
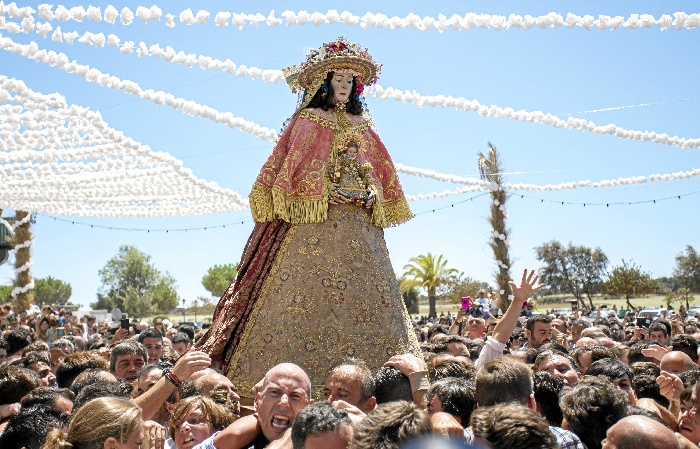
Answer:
[(454, 396), (391, 385), (547, 388), (195, 419), (616, 372), (351, 382), (40, 365), (685, 343), (127, 359), (89, 377), (28, 428), (658, 331), (60, 399), (512, 426), (210, 383), (158, 325), (585, 355), (322, 426), (476, 326), (101, 423), (456, 345), (577, 327), (504, 380), (676, 362), (390, 425), (451, 367), (634, 432), (538, 329), (688, 418), (3, 349), (147, 377), (17, 340), (559, 325), (338, 87), (181, 343), (16, 382), (74, 364), (285, 391), (591, 408), (119, 389), (559, 364), (152, 340)]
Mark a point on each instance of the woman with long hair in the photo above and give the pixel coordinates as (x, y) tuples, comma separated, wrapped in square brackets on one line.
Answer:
[(103, 423)]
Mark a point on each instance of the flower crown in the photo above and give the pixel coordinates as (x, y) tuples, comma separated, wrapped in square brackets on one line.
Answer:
[(340, 54)]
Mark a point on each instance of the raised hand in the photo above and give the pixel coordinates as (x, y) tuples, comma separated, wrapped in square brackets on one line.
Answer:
[(528, 286)]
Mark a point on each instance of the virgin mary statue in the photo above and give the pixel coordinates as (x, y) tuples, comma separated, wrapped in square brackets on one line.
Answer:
[(315, 284)]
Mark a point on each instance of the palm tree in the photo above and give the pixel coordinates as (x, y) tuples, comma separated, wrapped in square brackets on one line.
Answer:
[(427, 272)]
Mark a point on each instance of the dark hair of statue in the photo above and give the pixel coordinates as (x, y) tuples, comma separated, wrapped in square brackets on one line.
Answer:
[(325, 102)]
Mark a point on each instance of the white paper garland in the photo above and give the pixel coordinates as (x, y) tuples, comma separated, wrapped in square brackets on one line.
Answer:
[(412, 97), (91, 74), (119, 177), (443, 22)]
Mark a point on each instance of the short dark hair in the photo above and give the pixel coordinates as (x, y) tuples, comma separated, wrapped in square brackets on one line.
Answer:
[(635, 353), (181, 337), (127, 348), (513, 426), (17, 340), (16, 382), (646, 387), (89, 377), (74, 364), (612, 369), (390, 425), (367, 385), (451, 368), (437, 329), (118, 389), (189, 330), (659, 327), (591, 408), (547, 388), (151, 332), (503, 380), (29, 427), (685, 343), (530, 324), (457, 397), (645, 369), (46, 396), (316, 419), (391, 385)]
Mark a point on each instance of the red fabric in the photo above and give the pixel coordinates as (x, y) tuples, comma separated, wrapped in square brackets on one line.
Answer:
[(238, 301)]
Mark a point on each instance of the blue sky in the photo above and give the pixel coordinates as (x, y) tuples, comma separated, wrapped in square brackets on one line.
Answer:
[(561, 71)]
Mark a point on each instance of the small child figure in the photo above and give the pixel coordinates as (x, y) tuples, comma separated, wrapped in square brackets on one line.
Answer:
[(349, 178)]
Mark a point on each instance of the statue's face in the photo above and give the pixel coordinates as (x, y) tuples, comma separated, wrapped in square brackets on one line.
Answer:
[(342, 87), (352, 151)]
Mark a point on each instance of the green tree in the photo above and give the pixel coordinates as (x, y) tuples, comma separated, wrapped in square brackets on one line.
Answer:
[(629, 280), (425, 271), (51, 291), (680, 296), (687, 269), (131, 283), (5, 293), (410, 299), (219, 277), (573, 269), (459, 287)]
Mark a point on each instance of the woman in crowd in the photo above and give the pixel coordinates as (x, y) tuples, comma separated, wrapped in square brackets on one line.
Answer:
[(195, 419)]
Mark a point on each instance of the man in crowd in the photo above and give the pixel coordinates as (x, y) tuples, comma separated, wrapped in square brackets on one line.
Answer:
[(152, 340), (286, 389), (538, 329), (322, 426), (351, 382), (126, 359)]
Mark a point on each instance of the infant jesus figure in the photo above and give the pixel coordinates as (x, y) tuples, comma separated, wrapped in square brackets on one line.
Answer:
[(351, 183)]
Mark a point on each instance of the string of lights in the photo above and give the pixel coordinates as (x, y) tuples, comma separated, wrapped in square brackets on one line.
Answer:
[(428, 211)]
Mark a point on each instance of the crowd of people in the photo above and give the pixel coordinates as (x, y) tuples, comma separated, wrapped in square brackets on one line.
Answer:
[(512, 379)]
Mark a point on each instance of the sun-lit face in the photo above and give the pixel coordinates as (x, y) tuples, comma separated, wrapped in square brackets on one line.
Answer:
[(352, 151), (342, 87), (282, 397), (193, 428)]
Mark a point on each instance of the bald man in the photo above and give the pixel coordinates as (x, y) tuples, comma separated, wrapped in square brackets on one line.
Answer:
[(286, 389), (676, 362), (634, 432)]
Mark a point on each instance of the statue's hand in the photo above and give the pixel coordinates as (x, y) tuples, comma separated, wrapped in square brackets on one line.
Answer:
[(371, 196), (337, 196)]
